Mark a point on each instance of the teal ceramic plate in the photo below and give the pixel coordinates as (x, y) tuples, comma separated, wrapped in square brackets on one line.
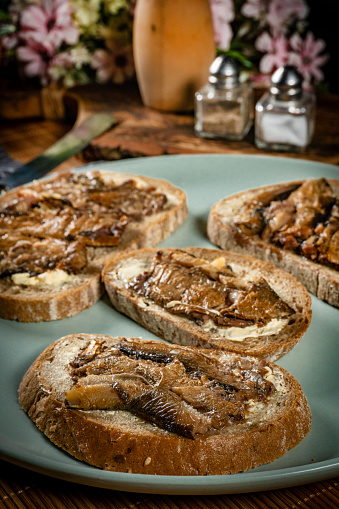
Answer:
[(314, 362)]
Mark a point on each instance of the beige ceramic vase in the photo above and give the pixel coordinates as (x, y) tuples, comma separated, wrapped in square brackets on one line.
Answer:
[(173, 45)]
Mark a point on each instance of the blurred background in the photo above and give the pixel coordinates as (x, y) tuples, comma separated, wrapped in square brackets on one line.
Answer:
[(324, 17), (74, 42)]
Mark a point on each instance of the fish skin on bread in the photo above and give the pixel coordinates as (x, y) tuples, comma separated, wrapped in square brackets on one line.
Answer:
[(70, 219), (144, 418), (266, 317), (226, 228)]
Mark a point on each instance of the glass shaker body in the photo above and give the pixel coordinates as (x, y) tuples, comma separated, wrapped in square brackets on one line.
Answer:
[(285, 125), (224, 112)]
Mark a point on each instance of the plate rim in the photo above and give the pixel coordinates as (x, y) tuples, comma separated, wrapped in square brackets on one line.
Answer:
[(144, 483), (178, 485)]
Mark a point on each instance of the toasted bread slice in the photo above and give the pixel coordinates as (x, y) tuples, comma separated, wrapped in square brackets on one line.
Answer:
[(138, 406), (57, 234), (211, 299), (49, 302), (305, 245)]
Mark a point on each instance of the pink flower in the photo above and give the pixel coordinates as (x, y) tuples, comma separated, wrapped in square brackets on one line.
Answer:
[(63, 59), (10, 41), (223, 15), (61, 67), (276, 50), (282, 12), (306, 56), (113, 64), (35, 61), (277, 14), (262, 80), (44, 26), (49, 24), (254, 9)]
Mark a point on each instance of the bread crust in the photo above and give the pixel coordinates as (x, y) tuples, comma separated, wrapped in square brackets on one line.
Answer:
[(37, 306), (320, 280), (119, 441), (27, 304), (181, 330)]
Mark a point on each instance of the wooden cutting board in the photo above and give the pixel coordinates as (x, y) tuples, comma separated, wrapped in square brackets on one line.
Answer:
[(143, 131)]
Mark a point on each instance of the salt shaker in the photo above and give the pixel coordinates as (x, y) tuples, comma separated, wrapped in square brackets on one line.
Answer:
[(224, 105), (285, 113)]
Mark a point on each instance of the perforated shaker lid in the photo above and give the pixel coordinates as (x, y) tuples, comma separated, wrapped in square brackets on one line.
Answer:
[(286, 83), (224, 72)]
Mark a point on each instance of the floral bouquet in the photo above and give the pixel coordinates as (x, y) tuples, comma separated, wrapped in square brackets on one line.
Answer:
[(73, 42), (264, 35)]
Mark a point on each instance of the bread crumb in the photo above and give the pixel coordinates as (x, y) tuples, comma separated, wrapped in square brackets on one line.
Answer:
[(147, 461)]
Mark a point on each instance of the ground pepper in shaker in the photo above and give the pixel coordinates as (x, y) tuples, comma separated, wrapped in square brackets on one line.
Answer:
[(285, 113), (224, 106)]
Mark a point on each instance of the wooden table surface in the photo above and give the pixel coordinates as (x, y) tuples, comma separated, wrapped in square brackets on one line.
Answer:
[(24, 134)]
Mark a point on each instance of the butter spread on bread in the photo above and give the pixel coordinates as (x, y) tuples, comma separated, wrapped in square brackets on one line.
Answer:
[(143, 406), (210, 298)]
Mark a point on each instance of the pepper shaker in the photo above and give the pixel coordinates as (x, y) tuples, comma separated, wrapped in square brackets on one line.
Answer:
[(224, 106), (285, 113)]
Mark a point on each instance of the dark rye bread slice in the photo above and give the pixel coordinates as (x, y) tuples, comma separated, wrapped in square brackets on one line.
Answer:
[(320, 280), (57, 299), (255, 428), (121, 272), (31, 304)]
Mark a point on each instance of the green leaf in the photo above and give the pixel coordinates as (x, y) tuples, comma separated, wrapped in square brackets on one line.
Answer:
[(4, 16), (240, 57), (6, 29)]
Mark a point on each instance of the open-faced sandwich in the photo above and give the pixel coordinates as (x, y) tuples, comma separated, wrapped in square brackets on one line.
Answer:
[(211, 299), (139, 406), (57, 234), (294, 225)]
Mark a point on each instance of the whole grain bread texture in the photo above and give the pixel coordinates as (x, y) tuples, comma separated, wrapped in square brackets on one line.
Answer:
[(119, 274), (319, 279), (54, 299), (125, 440)]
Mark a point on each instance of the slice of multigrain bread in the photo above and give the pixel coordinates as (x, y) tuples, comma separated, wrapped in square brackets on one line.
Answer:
[(57, 234), (211, 299), (138, 406), (294, 225)]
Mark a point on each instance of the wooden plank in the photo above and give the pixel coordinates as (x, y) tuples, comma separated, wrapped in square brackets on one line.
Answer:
[(144, 131)]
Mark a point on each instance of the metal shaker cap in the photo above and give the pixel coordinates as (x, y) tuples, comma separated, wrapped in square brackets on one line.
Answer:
[(286, 83), (224, 72)]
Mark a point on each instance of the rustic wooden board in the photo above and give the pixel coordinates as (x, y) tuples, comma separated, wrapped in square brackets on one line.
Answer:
[(143, 131)]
